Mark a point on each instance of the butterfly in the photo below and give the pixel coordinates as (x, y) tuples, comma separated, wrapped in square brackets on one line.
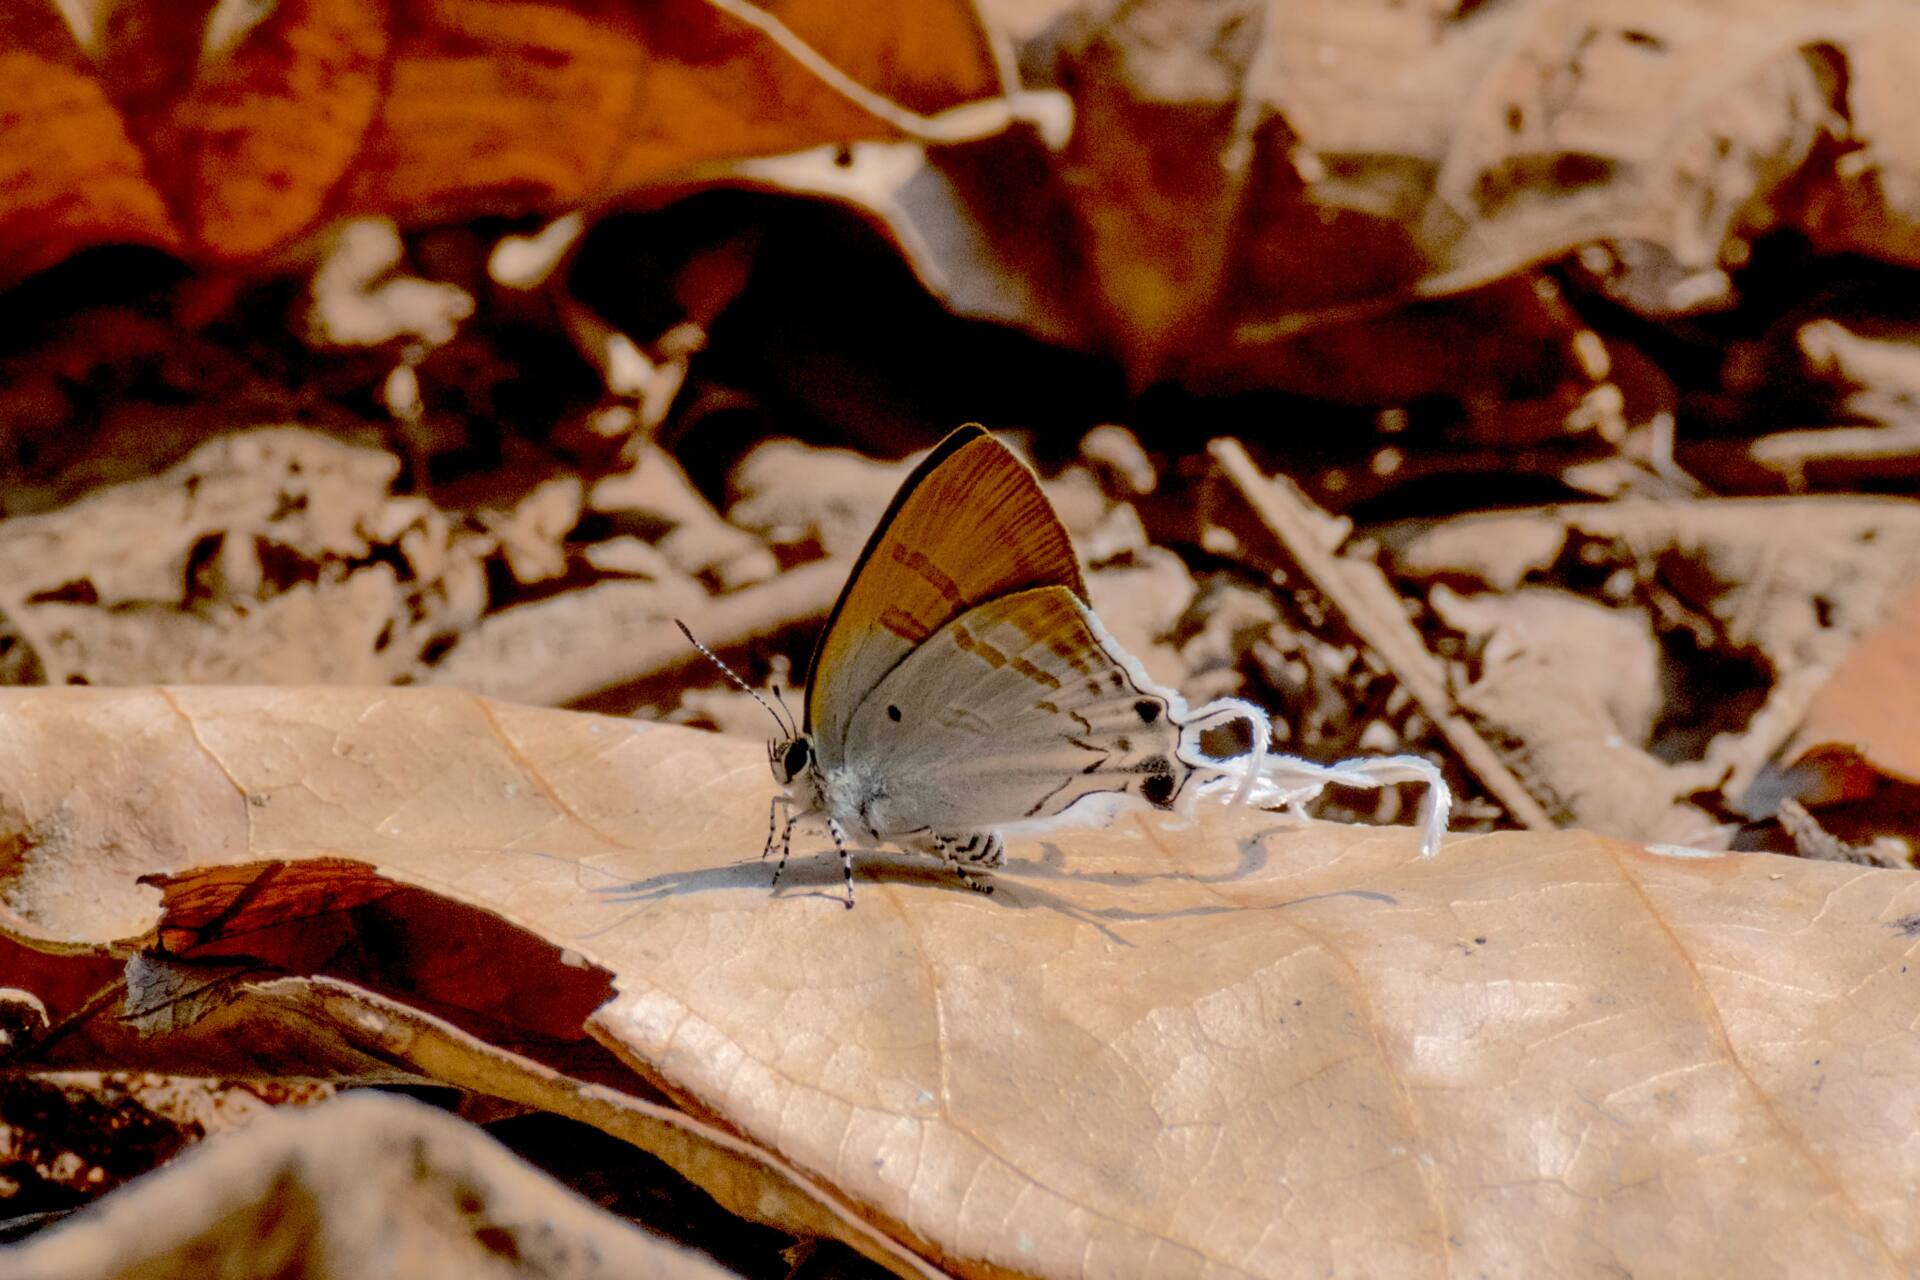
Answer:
[(963, 686)]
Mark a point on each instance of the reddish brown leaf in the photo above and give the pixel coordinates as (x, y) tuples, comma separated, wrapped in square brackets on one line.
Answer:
[(1870, 707), (228, 145), (72, 177), (339, 917), (248, 144)]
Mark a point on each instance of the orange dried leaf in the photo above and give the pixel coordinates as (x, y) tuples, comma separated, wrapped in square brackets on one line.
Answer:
[(1869, 708), (189, 129), (70, 175), (249, 143)]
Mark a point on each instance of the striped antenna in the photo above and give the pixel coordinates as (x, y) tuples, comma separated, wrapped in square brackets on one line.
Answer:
[(786, 726)]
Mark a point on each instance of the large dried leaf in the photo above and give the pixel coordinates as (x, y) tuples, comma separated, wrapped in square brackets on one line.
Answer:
[(1376, 150), (1232, 1047), (228, 132), (363, 1187), (1322, 171)]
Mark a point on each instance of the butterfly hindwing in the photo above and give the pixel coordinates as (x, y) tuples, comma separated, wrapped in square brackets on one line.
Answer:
[(970, 524), (1012, 712)]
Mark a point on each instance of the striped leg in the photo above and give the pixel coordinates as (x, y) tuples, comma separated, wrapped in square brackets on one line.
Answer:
[(846, 859), (781, 803), (785, 836), (981, 848), (992, 851)]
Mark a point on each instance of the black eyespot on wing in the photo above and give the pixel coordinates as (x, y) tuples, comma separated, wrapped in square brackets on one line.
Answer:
[(893, 714), (1147, 709), (1157, 786), (1125, 743), (1118, 680)]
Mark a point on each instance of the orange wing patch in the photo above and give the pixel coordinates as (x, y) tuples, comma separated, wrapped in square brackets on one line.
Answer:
[(1052, 621), (969, 525)]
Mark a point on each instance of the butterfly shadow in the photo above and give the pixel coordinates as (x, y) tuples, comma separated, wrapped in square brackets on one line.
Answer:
[(1052, 865), (818, 876), (806, 876)]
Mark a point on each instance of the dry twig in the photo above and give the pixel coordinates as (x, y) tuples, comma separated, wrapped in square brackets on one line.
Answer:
[(1370, 607)]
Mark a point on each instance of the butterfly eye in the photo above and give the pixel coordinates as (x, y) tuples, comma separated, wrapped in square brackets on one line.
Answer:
[(799, 755)]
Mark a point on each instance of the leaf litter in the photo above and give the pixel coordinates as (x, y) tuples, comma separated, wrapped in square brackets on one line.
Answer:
[(491, 434)]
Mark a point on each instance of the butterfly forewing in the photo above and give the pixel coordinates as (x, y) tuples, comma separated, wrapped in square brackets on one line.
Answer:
[(970, 524), (1012, 712)]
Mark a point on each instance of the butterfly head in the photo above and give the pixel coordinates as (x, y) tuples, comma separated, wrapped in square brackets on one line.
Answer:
[(790, 757), (791, 754)]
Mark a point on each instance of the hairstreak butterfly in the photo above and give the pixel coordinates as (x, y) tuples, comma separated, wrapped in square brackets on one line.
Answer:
[(963, 687)]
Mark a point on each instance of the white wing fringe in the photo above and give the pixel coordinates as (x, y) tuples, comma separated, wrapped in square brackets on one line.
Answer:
[(1274, 781)]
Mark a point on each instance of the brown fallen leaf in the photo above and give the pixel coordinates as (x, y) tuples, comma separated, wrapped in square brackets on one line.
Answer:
[(1855, 757), (1239, 1046), (227, 135), (366, 1186), (1349, 199), (64, 136), (1867, 708)]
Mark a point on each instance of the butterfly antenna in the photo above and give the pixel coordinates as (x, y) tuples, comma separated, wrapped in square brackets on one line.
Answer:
[(793, 726), (751, 692)]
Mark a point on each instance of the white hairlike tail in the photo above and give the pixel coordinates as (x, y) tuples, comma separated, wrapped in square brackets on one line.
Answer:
[(1272, 780)]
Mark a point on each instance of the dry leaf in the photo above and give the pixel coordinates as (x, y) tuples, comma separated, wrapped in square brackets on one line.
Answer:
[(64, 138), (262, 556), (227, 133), (1341, 159), (1575, 688), (1855, 756), (366, 1186), (1324, 168), (1233, 1047), (656, 494), (1868, 707), (1781, 588)]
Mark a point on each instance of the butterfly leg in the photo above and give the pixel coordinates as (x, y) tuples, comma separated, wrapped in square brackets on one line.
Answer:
[(992, 851), (781, 805), (846, 859), (982, 848)]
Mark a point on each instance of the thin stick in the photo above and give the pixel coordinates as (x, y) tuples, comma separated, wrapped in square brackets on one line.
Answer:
[(1369, 606), (567, 650)]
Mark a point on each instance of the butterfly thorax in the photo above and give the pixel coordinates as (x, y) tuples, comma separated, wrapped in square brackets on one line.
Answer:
[(798, 768), (840, 790)]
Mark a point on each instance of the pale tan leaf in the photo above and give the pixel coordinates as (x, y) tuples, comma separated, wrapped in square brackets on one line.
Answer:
[(1237, 1047), (366, 1186)]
